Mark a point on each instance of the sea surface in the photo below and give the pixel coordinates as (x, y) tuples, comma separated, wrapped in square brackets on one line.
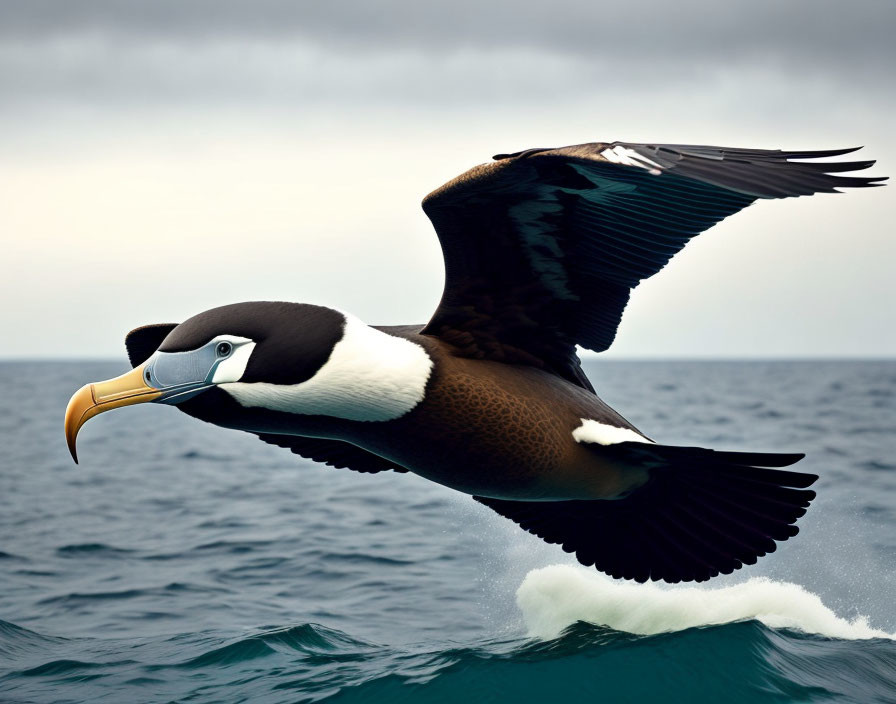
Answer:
[(183, 562)]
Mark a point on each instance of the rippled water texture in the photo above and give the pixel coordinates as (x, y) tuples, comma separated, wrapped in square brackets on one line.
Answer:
[(182, 562)]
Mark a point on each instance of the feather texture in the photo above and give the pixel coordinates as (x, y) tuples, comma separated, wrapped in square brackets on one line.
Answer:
[(542, 247)]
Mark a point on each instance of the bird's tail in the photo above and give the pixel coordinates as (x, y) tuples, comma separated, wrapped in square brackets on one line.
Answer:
[(702, 513)]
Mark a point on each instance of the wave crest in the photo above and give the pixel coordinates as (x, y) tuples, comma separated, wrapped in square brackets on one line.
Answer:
[(555, 597)]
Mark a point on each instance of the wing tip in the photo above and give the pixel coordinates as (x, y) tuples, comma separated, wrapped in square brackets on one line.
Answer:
[(839, 167), (819, 153)]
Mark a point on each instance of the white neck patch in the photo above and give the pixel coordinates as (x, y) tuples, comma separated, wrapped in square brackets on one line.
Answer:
[(370, 376), (590, 431)]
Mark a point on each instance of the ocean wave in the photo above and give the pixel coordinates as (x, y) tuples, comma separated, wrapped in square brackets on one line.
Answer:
[(65, 667), (555, 597), (733, 662), (144, 582), (81, 549), (310, 640), (744, 661), (17, 642)]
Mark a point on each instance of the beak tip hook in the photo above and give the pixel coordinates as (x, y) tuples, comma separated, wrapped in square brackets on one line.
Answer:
[(72, 448)]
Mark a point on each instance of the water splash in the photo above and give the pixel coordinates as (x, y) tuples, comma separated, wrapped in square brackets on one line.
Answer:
[(555, 597)]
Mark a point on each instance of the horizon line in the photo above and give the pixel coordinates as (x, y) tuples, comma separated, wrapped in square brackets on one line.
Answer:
[(591, 357)]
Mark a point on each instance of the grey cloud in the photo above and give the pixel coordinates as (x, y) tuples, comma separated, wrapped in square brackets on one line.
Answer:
[(388, 76), (111, 53), (109, 73), (827, 33)]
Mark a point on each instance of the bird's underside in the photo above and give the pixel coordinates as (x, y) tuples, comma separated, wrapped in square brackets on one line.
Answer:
[(541, 248), (545, 455)]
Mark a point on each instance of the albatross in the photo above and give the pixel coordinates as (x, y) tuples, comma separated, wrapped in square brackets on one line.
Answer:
[(542, 249)]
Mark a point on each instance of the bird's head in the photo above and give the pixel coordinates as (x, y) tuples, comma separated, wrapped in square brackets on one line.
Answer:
[(246, 345)]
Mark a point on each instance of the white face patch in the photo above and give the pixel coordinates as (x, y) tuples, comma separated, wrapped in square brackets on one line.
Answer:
[(370, 376), (629, 157), (233, 367), (590, 431)]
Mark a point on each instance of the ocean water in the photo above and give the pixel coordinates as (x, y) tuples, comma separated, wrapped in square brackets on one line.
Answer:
[(183, 562)]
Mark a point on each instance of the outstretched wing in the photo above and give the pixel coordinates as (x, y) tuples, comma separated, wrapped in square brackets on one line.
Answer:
[(542, 247), (701, 513)]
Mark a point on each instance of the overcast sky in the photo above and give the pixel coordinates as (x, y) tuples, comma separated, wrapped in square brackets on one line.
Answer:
[(160, 158)]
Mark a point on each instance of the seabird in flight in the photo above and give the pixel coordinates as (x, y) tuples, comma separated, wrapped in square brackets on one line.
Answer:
[(542, 249)]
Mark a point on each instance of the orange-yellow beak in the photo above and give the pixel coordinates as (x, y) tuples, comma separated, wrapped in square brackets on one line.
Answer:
[(92, 399)]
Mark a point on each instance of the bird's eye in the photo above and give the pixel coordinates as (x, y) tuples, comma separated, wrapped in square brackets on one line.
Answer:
[(224, 349), (147, 375)]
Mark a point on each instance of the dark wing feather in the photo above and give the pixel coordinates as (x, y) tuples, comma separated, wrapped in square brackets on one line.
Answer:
[(142, 342), (335, 453), (701, 513), (542, 247)]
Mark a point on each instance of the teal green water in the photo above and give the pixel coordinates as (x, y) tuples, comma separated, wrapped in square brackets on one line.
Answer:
[(181, 562)]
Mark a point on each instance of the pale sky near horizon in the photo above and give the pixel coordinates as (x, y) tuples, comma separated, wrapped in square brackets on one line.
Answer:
[(158, 159)]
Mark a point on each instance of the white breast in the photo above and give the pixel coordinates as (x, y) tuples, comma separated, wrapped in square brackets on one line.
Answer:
[(370, 376)]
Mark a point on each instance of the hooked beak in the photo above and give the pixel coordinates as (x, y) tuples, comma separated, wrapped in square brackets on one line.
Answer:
[(92, 399)]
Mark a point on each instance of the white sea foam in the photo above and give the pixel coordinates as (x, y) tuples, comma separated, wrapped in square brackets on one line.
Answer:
[(552, 598)]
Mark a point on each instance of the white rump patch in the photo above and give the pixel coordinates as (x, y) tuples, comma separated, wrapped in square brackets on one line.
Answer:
[(629, 157), (590, 431), (370, 376)]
